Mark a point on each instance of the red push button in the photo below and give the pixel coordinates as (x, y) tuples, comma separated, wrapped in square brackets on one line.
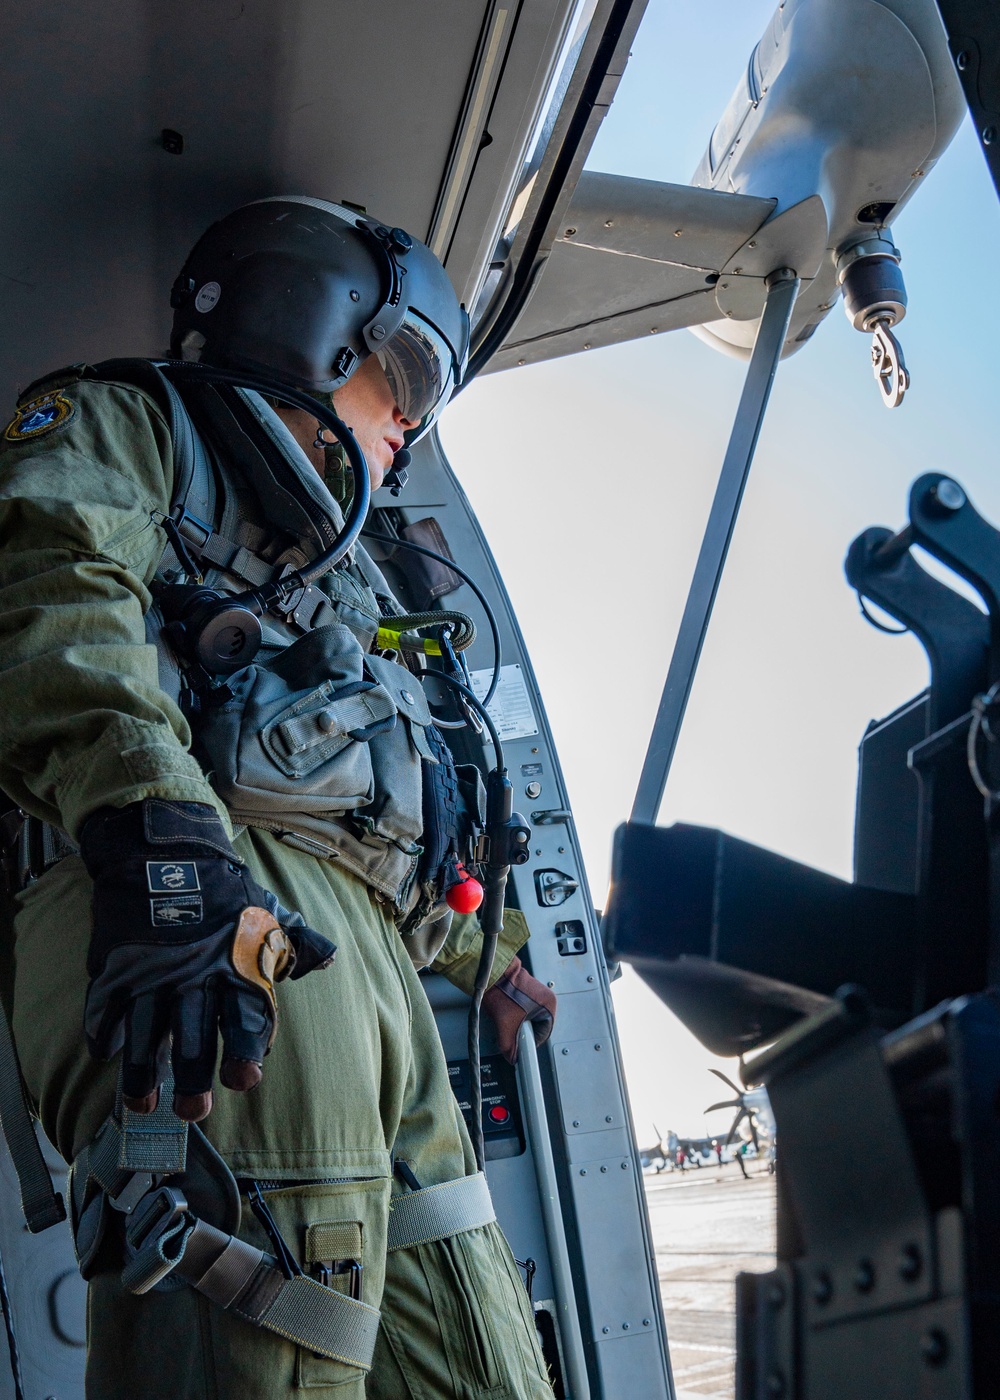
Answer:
[(499, 1114)]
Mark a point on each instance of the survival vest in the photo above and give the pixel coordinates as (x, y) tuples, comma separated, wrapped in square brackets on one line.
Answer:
[(321, 740)]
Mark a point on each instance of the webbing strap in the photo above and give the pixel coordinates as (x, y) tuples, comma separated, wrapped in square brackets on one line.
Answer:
[(237, 1276), (435, 1212), (235, 559), (151, 1142), (315, 1317), (193, 487), (41, 1205)]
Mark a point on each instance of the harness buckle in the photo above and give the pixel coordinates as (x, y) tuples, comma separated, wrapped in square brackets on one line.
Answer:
[(132, 1193), (157, 1212), (327, 1269)]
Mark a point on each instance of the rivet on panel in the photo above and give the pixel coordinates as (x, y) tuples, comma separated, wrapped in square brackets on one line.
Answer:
[(934, 1347)]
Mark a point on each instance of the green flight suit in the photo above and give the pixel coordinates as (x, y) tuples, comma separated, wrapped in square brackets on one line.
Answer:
[(357, 1070)]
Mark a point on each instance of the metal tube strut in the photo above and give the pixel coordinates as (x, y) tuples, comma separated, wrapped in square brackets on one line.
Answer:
[(533, 1102), (782, 289)]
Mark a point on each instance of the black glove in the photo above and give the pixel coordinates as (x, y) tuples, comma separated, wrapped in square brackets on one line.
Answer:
[(185, 943)]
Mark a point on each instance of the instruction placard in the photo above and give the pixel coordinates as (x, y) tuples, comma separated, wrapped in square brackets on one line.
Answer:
[(510, 709)]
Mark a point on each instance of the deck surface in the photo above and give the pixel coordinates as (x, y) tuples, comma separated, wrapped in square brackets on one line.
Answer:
[(708, 1225)]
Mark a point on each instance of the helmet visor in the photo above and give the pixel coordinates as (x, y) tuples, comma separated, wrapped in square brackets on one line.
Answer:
[(420, 368)]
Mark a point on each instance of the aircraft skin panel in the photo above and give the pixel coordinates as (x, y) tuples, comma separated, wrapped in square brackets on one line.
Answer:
[(635, 257), (320, 97), (526, 55), (841, 112)]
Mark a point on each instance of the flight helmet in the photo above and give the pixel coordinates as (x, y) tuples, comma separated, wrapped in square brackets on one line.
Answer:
[(301, 291)]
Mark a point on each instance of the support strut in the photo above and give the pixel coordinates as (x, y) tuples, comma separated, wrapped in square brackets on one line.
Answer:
[(782, 289)]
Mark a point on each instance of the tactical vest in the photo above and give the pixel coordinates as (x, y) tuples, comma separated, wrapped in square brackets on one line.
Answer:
[(321, 740)]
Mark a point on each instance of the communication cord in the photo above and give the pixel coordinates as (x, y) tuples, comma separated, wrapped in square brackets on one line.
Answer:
[(492, 924), (271, 593), (450, 564)]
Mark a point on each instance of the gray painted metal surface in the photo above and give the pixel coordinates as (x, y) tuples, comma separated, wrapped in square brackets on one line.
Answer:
[(48, 1296), (842, 111), (634, 257), (533, 1099), (325, 97)]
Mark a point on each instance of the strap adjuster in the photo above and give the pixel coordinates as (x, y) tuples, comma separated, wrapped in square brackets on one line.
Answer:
[(156, 1213), (132, 1193)]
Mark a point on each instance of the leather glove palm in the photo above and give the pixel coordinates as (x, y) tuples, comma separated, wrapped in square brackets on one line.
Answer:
[(517, 997), (186, 944)]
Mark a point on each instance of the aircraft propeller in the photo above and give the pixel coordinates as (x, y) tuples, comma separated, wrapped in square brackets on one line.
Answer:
[(742, 1111)]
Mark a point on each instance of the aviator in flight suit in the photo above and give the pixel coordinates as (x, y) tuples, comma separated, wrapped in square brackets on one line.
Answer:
[(357, 1071)]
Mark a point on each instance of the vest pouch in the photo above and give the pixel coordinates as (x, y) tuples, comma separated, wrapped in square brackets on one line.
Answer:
[(396, 811), (295, 737)]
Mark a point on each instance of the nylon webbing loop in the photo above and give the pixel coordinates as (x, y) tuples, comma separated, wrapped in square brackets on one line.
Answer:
[(235, 559), (41, 1204), (435, 1212), (151, 1142), (237, 1276)]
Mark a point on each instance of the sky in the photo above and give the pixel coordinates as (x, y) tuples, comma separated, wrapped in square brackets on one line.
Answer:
[(593, 476)]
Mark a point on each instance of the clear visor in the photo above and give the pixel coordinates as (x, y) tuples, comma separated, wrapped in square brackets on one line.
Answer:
[(419, 366)]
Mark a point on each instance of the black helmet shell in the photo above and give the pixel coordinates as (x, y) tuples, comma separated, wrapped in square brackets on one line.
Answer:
[(302, 291)]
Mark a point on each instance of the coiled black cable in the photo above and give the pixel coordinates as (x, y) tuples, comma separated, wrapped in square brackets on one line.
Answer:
[(392, 542)]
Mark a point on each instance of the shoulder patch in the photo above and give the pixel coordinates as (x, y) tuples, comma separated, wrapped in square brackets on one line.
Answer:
[(39, 416)]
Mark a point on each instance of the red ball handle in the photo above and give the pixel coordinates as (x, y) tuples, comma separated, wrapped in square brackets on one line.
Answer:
[(467, 895)]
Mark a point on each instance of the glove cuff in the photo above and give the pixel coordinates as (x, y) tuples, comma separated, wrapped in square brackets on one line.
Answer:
[(189, 828)]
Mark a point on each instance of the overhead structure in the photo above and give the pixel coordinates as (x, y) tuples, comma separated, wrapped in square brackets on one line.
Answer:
[(129, 128)]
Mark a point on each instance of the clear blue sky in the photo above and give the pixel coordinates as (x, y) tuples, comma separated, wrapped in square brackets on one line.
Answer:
[(593, 477)]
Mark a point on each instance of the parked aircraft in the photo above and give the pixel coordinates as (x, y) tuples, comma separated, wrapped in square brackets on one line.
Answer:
[(753, 1108)]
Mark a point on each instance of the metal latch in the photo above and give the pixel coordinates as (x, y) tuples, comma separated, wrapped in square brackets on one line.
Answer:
[(554, 887)]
